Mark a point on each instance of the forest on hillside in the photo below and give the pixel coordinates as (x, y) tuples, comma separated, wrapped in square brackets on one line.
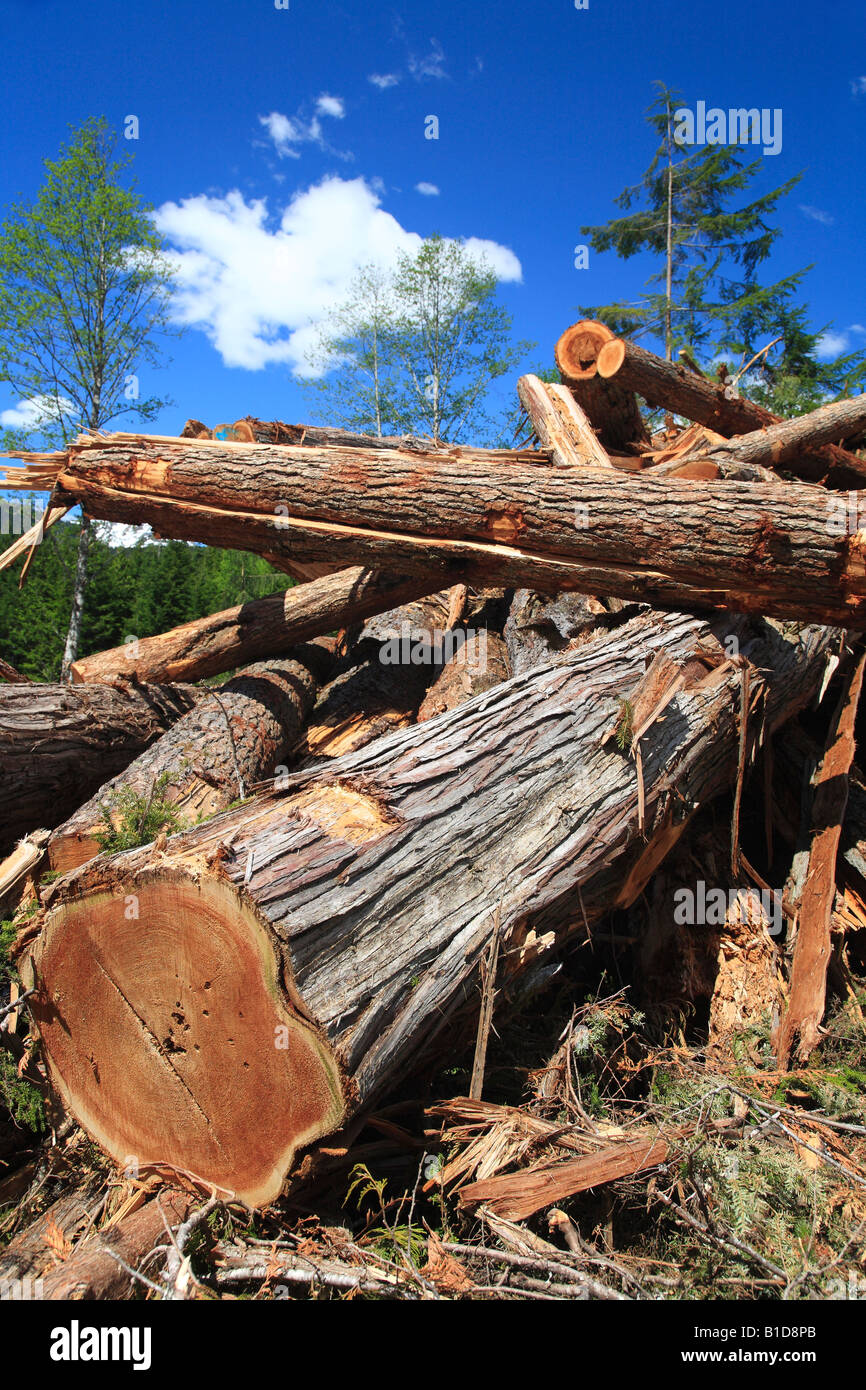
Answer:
[(134, 591)]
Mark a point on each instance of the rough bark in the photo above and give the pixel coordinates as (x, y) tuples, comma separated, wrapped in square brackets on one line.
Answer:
[(782, 443), (678, 544), (610, 405), (256, 631), (214, 755), (384, 689), (290, 960), (59, 743), (540, 629), (93, 1273)]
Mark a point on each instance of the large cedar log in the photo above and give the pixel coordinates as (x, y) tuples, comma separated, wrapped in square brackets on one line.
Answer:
[(679, 544), (58, 744), (219, 1003), (233, 739), (256, 631)]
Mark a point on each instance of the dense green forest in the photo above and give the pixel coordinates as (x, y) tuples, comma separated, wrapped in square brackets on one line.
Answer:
[(133, 590)]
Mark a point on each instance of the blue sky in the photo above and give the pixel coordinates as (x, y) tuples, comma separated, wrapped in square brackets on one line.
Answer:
[(278, 164)]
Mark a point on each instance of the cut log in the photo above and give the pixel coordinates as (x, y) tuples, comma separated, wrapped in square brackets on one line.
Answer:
[(678, 544), (221, 1002), (782, 443), (610, 405), (260, 630), (478, 661), (383, 691), (99, 1266), (673, 387), (560, 423), (233, 739), (60, 743)]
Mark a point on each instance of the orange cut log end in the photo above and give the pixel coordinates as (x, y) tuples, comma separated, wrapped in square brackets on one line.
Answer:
[(205, 1065), (577, 350)]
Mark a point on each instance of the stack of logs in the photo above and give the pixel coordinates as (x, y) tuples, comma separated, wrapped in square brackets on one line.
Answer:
[(504, 684)]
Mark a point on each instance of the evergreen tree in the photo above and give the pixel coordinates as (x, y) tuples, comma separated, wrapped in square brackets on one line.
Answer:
[(709, 252)]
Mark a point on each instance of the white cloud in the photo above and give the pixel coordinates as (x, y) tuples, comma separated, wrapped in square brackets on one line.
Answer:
[(429, 190), (432, 64), (37, 410), (830, 345), (817, 215), (330, 106), (287, 132), (260, 291), (858, 86), (383, 80)]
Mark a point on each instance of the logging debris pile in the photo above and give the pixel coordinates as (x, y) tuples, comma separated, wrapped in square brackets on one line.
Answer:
[(499, 883)]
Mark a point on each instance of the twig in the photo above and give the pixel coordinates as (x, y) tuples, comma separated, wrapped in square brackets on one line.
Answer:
[(485, 1018), (575, 1276)]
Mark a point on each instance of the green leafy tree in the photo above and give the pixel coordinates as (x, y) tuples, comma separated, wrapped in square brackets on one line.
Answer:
[(84, 296), (357, 354), (418, 351)]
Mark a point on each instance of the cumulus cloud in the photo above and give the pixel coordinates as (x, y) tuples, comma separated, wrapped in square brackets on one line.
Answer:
[(384, 80), (330, 106), (35, 411), (817, 215), (429, 190), (260, 290), (288, 132)]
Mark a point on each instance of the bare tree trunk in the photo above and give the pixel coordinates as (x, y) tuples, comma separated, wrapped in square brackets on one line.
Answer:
[(73, 635)]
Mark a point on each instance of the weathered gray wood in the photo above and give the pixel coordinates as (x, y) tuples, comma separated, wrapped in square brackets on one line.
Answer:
[(233, 738)]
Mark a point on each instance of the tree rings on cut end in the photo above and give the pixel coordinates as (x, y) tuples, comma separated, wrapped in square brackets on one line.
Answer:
[(170, 1036), (577, 350)]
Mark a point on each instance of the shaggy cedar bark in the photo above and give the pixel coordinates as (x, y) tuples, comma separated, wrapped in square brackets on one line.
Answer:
[(59, 743), (214, 755), (222, 1002), (256, 631), (678, 544)]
